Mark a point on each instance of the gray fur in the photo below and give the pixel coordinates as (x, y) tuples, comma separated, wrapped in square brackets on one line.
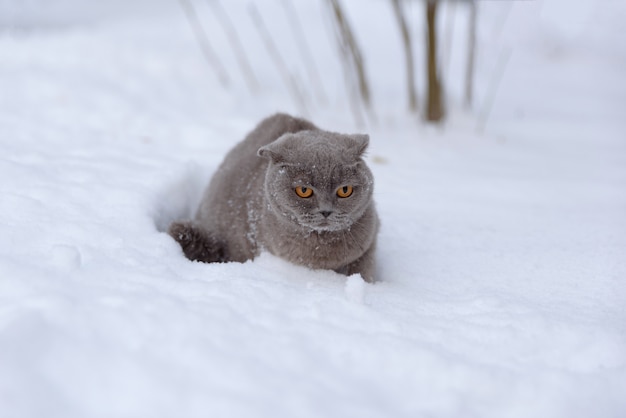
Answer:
[(251, 205)]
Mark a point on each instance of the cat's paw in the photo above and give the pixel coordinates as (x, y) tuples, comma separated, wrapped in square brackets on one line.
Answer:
[(196, 243)]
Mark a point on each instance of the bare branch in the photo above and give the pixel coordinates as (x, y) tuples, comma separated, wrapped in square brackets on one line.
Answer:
[(289, 79), (471, 53), (434, 104), (503, 60), (350, 84), (303, 49), (408, 53), (203, 42), (235, 43), (352, 47), (446, 50)]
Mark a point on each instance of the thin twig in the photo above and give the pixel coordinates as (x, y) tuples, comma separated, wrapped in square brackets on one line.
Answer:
[(352, 47), (354, 102), (235, 43), (449, 36), (505, 55), (471, 53), (203, 42), (289, 79), (351, 88), (303, 48), (408, 53)]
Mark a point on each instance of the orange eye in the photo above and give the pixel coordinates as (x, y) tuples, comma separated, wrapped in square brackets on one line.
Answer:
[(344, 191), (304, 192)]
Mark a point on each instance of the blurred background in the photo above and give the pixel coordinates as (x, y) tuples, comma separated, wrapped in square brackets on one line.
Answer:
[(366, 63)]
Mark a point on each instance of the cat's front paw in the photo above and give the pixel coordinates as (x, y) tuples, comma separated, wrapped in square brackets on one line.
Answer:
[(196, 243)]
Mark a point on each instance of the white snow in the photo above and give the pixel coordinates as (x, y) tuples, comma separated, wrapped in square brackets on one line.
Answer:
[(502, 253)]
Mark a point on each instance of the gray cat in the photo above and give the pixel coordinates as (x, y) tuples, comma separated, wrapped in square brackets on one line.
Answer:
[(294, 190)]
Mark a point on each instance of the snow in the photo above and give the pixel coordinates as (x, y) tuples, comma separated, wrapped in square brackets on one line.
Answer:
[(501, 252)]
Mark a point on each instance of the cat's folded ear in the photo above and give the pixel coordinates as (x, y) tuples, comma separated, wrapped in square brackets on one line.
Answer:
[(268, 152), (274, 151), (360, 144)]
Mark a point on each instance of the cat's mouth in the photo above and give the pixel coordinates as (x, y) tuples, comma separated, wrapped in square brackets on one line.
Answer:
[(325, 224)]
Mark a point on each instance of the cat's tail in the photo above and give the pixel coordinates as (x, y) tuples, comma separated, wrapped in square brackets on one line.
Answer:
[(197, 243)]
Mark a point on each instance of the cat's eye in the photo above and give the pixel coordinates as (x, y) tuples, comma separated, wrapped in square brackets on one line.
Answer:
[(344, 191), (304, 192)]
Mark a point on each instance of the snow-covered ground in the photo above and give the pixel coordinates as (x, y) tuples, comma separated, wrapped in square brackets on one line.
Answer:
[(502, 253)]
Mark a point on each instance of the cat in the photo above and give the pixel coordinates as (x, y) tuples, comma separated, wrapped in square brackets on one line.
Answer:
[(289, 188)]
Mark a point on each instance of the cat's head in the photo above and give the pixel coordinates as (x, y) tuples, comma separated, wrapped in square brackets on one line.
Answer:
[(318, 180)]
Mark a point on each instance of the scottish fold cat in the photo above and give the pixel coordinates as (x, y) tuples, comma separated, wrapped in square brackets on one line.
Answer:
[(294, 190)]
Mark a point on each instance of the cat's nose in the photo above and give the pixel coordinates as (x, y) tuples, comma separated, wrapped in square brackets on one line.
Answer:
[(325, 213)]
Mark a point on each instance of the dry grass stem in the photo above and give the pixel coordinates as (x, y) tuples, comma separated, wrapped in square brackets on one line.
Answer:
[(203, 42)]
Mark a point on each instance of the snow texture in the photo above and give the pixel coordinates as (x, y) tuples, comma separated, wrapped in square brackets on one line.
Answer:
[(502, 251)]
